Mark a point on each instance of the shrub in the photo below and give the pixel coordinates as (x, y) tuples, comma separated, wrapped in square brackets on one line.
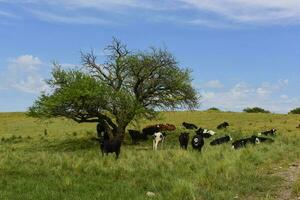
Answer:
[(214, 109), (295, 111), (255, 110)]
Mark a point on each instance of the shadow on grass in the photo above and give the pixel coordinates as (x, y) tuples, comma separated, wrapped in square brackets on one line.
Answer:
[(71, 144)]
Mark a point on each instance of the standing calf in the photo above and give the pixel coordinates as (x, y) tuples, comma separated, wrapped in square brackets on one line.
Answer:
[(109, 146), (158, 137), (184, 140), (198, 141)]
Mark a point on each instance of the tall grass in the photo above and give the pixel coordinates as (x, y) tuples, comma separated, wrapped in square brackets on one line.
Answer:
[(64, 165)]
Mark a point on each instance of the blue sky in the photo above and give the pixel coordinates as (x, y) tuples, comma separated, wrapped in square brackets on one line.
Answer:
[(242, 52)]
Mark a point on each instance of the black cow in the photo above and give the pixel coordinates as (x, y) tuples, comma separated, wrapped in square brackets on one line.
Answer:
[(243, 142), (221, 140), (102, 128), (137, 136), (189, 125), (184, 140), (223, 125), (270, 132), (109, 146), (198, 142)]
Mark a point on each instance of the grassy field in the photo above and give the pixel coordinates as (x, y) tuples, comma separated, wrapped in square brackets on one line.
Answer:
[(66, 164)]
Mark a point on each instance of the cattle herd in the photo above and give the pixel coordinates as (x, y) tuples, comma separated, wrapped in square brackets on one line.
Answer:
[(157, 132)]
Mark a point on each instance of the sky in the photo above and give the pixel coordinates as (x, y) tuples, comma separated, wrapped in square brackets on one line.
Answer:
[(243, 53)]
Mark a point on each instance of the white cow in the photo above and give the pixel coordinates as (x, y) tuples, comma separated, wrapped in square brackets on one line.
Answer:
[(157, 138)]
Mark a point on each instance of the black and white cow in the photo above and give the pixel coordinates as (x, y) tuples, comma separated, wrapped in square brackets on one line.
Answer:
[(223, 125), (189, 125), (205, 132), (198, 142), (184, 140), (271, 132), (158, 137), (243, 142), (221, 140)]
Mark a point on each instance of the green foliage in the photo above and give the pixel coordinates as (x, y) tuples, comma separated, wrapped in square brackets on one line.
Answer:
[(295, 111), (127, 86), (255, 110)]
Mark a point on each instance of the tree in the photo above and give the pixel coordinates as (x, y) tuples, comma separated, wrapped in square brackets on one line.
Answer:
[(126, 87), (214, 109), (295, 111), (255, 110)]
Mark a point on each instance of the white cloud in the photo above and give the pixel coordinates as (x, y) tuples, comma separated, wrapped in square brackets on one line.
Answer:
[(251, 11), (209, 13), (72, 19), (23, 74), (7, 14), (243, 95), (216, 84)]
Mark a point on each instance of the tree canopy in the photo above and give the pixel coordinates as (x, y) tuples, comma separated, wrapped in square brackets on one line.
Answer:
[(126, 86), (255, 110), (295, 111)]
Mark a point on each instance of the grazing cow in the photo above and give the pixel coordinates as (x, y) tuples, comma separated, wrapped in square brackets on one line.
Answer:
[(109, 146), (198, 142), (223, 125), (137, 136), (298, 126), (184, 140), (205, 132), (221, 140), (243, 142), (189, 125), (150, 130), (158, 137), (270, 132)]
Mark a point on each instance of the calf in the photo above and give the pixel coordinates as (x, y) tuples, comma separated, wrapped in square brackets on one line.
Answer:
[(270, 132), (189, 125), (184, 140), (243, 142), (109, 146), (223, 125), (221, 140), (205, 132), (198, 141), (137, 136), (158, 137)]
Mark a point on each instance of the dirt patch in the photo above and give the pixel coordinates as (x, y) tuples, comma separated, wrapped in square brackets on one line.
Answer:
[(289, 176)]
